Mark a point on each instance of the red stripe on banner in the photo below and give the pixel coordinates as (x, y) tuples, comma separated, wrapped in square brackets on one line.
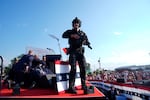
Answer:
[(61, 62)]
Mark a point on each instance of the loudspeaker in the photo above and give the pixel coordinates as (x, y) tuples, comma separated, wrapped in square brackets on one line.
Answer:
[(89, 90)]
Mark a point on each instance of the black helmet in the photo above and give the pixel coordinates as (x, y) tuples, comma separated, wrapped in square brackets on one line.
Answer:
[(76, 20)]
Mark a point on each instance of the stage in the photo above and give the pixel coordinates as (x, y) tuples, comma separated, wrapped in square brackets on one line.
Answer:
[(44, 93), (58, 82)]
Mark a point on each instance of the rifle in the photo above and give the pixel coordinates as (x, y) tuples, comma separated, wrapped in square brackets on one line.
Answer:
[(89, 46), (84, 40)]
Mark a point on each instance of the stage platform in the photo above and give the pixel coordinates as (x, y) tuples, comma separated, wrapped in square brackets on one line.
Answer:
[(49, 93), (42, 93), (58, 84)]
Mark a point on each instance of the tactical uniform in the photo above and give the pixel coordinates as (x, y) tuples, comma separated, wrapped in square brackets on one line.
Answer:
[(20, 66), (76, 53)]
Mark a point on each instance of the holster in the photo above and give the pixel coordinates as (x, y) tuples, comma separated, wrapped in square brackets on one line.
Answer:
[(68, 51), (80, 50)]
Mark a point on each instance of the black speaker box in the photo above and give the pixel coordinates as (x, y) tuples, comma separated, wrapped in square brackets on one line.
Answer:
[(89, 90)]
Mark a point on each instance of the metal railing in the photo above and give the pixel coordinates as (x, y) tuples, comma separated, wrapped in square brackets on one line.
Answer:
[(1, 71)]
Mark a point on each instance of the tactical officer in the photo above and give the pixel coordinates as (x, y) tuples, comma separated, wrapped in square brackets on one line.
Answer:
[(22, 65), (76, 39)]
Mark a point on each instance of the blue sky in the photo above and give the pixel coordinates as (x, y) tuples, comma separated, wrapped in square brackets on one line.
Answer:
[(117, 29)]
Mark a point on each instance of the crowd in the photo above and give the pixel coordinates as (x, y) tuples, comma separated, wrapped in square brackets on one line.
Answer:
[(127, 75)]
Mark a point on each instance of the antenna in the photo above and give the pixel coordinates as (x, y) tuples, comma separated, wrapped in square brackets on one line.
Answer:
[(54, 37)]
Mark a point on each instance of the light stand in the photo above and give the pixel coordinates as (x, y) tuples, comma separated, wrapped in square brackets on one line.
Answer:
[(54, 37)]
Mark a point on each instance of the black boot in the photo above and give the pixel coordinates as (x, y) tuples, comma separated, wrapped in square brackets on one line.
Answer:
[(85, 89), (71, 86), (72, 90)]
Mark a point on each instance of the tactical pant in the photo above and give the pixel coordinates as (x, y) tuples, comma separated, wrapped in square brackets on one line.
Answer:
[(19, 77), (73, 58)]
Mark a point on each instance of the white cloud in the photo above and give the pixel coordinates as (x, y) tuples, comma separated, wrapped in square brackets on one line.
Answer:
[(117, 33), (138, 57)]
